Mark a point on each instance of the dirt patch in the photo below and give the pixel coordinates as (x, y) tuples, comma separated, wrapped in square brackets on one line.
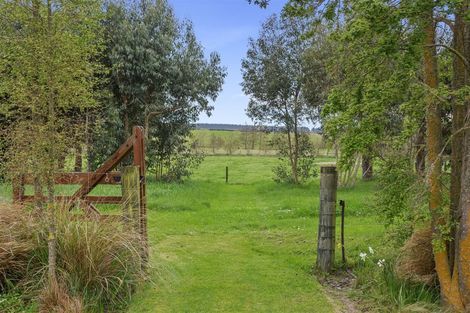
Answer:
[(337, 287)]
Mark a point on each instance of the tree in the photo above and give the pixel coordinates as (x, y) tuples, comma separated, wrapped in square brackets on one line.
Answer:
[(386, 38), (273, 77), (159, 76), (47, 65)]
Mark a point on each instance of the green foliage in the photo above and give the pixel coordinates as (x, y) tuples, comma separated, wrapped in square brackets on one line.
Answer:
[(159, 78), (392, 294), (305, 167), (48, 53), (12, 302), (178, 166), (401, 197)]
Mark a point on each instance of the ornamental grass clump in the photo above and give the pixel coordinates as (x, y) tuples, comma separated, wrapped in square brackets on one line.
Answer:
[(56, 299), (416, 262), (17, 243), (98, 263)]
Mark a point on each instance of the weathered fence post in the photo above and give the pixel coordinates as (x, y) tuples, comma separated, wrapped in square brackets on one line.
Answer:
[(327, 219), (131, 197), (226, 174)]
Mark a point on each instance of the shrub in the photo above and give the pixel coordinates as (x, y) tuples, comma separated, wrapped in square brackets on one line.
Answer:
[(98, 262), (12, 302), (306, 167)]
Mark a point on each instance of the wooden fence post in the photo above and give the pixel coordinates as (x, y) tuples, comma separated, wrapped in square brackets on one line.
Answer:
[(226, 174), (139, 160), (327, 219), (131, 197)]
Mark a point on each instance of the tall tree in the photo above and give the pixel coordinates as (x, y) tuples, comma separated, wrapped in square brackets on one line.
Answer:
[(47, 71), (274, 77), (408, 29), (159, 76)]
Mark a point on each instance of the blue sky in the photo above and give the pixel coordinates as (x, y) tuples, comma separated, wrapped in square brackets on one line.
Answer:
[(225, 26)]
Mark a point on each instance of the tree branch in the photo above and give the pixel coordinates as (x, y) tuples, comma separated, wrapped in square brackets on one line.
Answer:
[(457, 53), (445, 20), (157, 113)]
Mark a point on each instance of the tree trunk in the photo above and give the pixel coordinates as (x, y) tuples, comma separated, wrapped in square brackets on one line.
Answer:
[(295, 156), (420, 161), (126, 122), (52, 237), (463, 247), (78, 158), (61, 162), (457, 137), (367, 169), (463, 255), (449, 287), (291, 157)]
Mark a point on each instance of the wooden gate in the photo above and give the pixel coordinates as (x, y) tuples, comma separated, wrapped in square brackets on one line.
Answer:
[(103, 175)]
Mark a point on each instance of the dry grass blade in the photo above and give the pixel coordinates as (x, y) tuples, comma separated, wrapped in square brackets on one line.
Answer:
[(16, 242), (416, 262), (56, 299)]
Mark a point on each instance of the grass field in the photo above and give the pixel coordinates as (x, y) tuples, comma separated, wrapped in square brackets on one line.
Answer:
[(245, 246), (248, 245), (255, 143)]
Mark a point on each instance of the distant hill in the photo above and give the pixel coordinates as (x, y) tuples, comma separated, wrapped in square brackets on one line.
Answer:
[(235, 127)]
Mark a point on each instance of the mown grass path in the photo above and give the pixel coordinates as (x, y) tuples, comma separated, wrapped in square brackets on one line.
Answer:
[(245, 246)]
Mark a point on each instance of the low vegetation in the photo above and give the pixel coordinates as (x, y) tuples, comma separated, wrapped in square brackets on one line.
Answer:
[(98, 264)]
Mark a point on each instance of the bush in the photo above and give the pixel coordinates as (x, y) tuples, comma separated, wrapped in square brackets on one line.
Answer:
[(96, 261), (306, 167), (12, 302)]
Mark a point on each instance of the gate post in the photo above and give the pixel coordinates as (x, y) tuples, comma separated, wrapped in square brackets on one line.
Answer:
[(327, 218), (139, 160), (131, 197)]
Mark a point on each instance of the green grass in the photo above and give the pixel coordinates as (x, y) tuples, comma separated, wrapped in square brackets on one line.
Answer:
[(217, 142), (245, 246)]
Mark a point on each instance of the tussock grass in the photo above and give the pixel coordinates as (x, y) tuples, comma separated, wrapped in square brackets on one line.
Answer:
[(416, 262), (55, 299), (98, 262), (17, 242)]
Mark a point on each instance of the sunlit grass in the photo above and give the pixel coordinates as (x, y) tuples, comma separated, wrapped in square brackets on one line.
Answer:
[(248, 245)]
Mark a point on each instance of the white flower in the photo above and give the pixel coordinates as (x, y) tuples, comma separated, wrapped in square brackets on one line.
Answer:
[(371, 250), (381, 263), (363, 256)]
